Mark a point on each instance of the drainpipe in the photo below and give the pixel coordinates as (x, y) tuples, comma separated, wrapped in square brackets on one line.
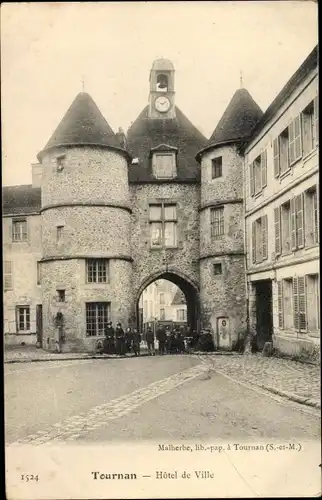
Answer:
[(245, 250)]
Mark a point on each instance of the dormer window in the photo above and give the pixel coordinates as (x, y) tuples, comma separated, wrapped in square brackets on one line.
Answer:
[(164, 165)]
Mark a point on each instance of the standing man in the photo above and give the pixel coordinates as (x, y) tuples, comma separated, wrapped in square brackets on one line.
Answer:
[(162, 338), (128, 340), (109, 344), (150, 341), (120, 341), (136, 342)]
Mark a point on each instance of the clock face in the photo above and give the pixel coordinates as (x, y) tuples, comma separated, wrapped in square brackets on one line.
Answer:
[(162, 104)]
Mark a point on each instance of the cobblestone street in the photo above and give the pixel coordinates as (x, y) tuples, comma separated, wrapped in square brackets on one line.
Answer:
[(276, 374)]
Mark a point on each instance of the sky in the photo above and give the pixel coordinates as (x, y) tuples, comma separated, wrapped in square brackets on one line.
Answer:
[(48, 49)]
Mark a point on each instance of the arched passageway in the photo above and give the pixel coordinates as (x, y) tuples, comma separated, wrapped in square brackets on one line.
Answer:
[(188, 288)]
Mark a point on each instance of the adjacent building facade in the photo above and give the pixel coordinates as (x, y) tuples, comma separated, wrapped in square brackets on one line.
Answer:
[(108, 214)]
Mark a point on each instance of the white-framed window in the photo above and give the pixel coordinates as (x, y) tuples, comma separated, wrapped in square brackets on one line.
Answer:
[(161, 298), (285, 303), (217, 226), (23, 318), (19, 230), (7, 275), (308, 128), (163, 225), (258, 174), (313, 302), (164, 165), (216, 167), (97, 317), (311, 213), (59, 234), (181, 315), (295, 140), (97, 270), (286, 227), (162, 314)]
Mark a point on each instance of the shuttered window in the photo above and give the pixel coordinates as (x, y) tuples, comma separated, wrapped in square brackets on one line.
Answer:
[(251, 179), (293, 224), (264, 238), (280, 304), (164, 165), (276, 154), (295, 144), (299, 303), (264, 168), (277, 224), (316, 119), (299, 209), (7, 275), (254, 242)]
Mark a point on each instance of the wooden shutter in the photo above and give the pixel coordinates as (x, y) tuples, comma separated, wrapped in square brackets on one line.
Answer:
[(302, 302), (7, 268), (316, 120), (299, 208), (297, 138), (254, 242), (252, 179), (295, 304), (264, 168), (264, 237), (291, 143), (277, 224), (316, 215), (293, 224), (276, 155), (280, 304)]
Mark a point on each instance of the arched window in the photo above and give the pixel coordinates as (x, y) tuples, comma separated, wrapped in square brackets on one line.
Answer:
[(162, 83)]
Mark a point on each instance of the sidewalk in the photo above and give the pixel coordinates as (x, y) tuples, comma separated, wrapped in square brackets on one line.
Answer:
[(296, 381)]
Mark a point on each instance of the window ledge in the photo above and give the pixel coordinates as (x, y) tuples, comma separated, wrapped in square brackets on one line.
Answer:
[(309, 155), (163, 248), (285, 174), (91, 285), (296, 161), (258, 195), (313, 245)]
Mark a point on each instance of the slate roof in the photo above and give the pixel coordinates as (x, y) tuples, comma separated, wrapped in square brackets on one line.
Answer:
[(83, 124), (237, 122), (146, 133), (179, 298), (18, 200)]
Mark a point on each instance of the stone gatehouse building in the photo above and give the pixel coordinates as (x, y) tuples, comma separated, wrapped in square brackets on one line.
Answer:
[(107, 214)]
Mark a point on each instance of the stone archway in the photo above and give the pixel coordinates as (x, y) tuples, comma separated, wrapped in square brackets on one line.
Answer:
[(186, 285)]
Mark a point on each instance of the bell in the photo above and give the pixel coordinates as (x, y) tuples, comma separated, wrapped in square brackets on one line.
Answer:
[(162, 82)]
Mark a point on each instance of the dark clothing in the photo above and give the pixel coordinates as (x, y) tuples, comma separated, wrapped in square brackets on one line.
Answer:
[(180, 343), (162, 338), (150, 341), (109, 341), (120, 341), (128, 338), (136, 343)]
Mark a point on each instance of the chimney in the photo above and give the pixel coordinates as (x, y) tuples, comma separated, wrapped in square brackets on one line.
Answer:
[(36, 174), (121, 138)]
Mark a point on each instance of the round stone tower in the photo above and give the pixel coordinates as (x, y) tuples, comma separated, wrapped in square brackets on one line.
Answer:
[(222, 272), (86, 266)]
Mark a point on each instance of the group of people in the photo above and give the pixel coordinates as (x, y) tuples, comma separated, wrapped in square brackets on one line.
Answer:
[(118, 341), (170, 341), (174, 341)]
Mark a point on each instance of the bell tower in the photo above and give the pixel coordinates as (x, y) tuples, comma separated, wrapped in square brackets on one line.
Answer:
[(161, 98)]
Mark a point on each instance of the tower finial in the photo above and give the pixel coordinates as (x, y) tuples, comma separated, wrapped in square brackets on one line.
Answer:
[(83, 84), (241, 79)]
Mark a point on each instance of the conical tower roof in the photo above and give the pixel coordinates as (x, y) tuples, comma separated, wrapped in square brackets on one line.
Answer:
[(237, 122), (83, 124)]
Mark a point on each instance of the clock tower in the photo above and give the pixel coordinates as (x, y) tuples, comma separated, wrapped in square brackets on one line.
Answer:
[(161, 98)]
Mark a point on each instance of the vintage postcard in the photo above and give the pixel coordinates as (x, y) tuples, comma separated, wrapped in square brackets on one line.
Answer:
[(161, 250)]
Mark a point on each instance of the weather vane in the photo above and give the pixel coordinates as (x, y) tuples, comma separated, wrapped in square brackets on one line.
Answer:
[(241, 79)]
